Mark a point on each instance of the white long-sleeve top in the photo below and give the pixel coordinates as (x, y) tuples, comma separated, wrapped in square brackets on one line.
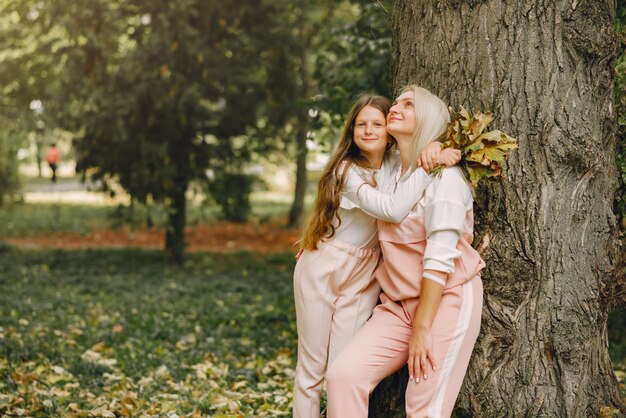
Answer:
[(445, 205), (361, 204)]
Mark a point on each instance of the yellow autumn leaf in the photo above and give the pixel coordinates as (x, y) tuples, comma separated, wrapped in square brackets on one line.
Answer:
[(486, 156), (98, 347), (484, 119), (473, 146)]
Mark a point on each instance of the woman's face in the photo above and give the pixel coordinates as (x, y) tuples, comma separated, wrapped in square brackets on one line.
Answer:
[(401, 117), (370, 133)]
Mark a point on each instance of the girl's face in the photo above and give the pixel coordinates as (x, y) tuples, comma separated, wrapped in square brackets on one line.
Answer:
[(370, 133), (401, 117)]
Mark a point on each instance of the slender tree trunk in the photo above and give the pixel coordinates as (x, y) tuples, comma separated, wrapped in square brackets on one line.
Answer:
[(548, 232), (297, 208), (175, 234), (302, 126), (38, 154)]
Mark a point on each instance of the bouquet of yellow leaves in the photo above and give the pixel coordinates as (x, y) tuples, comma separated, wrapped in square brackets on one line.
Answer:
[(482, 153)]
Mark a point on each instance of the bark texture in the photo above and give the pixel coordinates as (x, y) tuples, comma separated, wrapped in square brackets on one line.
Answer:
[(547, 231)]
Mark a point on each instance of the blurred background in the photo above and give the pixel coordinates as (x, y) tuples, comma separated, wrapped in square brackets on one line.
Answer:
[(172, 115), (153, 274)]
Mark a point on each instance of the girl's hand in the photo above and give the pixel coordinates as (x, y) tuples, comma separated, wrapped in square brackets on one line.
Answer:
[(429, 158), (421, 360), (449, 157)]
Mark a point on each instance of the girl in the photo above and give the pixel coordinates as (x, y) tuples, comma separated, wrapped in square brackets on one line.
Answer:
[(429, 316), (334, 287)]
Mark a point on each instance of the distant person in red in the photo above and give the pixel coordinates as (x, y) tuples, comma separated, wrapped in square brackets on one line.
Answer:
[(52, 156)]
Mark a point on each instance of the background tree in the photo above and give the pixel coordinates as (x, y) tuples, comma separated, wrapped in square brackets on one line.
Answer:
[(307, 20), (28, 80), (355, 57), (10, 142), (157, 92), (341, 49), (547, 233)]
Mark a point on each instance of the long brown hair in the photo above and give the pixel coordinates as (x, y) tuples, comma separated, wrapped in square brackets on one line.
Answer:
[(320, 223)]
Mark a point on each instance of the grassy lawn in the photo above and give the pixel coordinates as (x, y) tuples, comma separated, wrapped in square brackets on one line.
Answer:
[(122, 333), (30, 219)]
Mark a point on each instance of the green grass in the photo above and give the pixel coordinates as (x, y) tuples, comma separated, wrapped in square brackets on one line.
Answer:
[(30, 219), (124, 331)]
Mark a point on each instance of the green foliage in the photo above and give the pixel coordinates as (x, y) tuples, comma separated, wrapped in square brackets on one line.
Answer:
[(97, 333), (354, 57), (9, 176), (232, 194)]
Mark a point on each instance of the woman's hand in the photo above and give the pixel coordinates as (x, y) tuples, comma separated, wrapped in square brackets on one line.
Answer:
[(421, 359)]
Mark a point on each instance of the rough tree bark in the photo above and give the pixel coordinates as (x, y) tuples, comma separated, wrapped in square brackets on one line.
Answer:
[(548, 232)]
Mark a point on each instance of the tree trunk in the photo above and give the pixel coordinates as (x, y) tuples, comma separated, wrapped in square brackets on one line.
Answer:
[(175, 234), (297, 208), (38, 155), (302, 124), (547, 231)]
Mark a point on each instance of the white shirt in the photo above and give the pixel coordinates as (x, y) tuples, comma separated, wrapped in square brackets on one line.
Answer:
[(361, 204), (445, 205)]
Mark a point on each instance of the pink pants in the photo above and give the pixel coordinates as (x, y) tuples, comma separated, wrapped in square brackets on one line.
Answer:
[(381, 347), (335, 293)]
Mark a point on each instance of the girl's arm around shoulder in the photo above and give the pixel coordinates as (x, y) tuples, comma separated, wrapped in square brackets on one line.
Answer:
[(393, 207)]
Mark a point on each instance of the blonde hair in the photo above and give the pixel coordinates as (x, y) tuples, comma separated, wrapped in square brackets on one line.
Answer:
[(431, 120)]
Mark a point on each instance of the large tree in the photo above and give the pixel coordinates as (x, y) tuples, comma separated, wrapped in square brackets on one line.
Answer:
[(547, 231)]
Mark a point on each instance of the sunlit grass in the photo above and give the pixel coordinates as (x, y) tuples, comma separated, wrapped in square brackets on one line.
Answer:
[(30, 219)]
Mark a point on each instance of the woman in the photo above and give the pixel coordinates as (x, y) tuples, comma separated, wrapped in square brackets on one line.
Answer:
[(429, 316), (334, 288)]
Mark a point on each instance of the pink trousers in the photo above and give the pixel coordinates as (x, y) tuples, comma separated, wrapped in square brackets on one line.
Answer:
[(335, 293), (381, 347)]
